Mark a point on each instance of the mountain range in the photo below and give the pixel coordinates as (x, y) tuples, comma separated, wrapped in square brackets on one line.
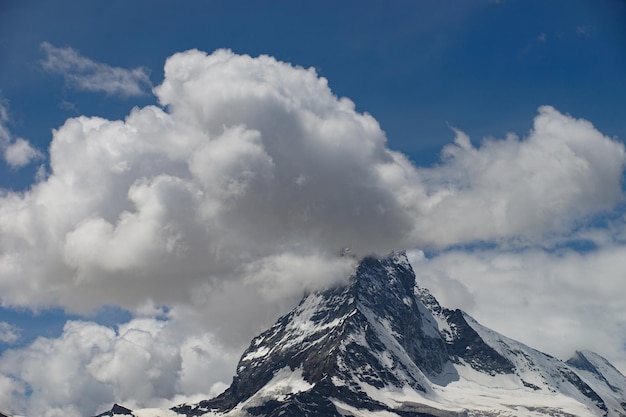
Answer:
[(382, 346)]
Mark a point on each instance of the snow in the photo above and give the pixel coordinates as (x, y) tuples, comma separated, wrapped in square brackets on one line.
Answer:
[(506, 392), (608, 371), (347, 410), (285, 382), (393, 349), (607, 385), (259, 353), (432, 327), (302, 325), (478, 400), (434, 323), (509, 402), (338, 382), (479, 393)]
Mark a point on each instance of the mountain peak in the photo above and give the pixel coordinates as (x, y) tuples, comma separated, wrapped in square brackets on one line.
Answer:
[(392, 276), (600, 369), (381, 345)]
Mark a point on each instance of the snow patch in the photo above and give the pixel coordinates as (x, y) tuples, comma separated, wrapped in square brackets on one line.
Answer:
[(347, 410), (259, 353), (285, 382)]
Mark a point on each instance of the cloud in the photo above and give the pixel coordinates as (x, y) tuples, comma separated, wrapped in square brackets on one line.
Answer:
[(84, 74), (564, 171), (254, 172), (89, 367), (238, 194), (253, 159), (9, 333), (20, 153), (17, 152)]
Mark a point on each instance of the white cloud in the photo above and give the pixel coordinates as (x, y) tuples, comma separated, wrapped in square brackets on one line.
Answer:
[(84, 74), (564, 171), (17, 152), (145, 362), (239, 193), (254, 159), (21, 153), (9, 333), (256, 166)]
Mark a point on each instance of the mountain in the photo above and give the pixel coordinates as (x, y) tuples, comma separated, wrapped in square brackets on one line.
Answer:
[(381, 346)]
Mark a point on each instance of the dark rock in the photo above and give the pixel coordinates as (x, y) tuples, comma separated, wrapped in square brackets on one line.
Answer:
[(117, 410)]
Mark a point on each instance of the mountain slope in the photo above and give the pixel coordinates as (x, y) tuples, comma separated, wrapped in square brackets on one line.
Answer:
[(381, 346)]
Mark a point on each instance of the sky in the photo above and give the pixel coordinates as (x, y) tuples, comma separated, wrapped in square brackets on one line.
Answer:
[(175, 175)]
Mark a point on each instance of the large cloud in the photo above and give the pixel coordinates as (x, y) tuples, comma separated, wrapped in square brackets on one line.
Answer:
[(254, 160), (238, 194)]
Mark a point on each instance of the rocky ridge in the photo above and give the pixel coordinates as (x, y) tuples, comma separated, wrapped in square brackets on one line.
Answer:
[(383, 346)]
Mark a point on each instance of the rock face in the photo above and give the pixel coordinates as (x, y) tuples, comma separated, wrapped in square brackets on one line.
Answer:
[(117, 410), (382, 346)]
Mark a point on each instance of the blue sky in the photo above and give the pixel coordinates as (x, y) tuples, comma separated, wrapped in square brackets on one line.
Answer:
[(430, 73), (483, 66)]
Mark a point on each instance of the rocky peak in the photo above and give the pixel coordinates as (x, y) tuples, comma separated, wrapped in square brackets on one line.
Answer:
[(382, 345), (117, 410)]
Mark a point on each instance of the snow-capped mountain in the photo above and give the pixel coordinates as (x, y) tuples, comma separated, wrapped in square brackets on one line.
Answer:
[(382, 346)]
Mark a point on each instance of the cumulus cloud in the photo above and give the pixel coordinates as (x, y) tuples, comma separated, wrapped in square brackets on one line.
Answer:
[(89, 367), (239, 193), (252, 172), (564, 171), (17, 152), (84, 74), (253, 159)]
